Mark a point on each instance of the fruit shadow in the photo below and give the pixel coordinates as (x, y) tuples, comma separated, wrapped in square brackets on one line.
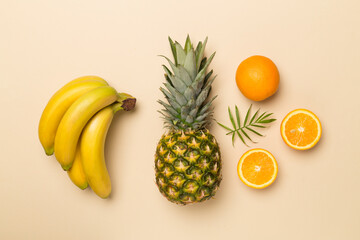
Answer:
[(274, 97), (115, 146), (306, 154), (274, 186), (200, 209)]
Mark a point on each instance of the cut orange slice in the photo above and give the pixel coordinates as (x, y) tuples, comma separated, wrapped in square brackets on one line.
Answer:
[(257, 168), (301, 129)]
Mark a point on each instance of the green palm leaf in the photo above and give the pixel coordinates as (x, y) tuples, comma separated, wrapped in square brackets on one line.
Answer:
[(244, 131)]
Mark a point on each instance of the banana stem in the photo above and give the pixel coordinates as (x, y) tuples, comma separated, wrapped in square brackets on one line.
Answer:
[(125, 102), (116, 107)]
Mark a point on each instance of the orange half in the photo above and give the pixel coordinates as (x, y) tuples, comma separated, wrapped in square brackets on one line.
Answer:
[(257, 168), (301, 129)]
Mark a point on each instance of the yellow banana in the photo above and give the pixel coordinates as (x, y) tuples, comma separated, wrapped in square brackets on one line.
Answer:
[(86, 78), (59, 104), (75, 119), (76, 172), (92, 145)]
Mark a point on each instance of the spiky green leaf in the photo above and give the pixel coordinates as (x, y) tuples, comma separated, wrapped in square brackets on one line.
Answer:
[(247, 116), (184, 112), (227, 128), (188, 45), (267, 120), (178, 84), (208, 61), (252, 119), (189, 93), (184, 75), (233, 138), (202, 96), (261, 115), (207, 105), (237, 116), (241, 138), (189, 119), (258, 126), (207, 76), (194, 112), (264, 117), (166, 93), (174, 104), (169, 108), (171, 89), (173, 50), (200, 54), (180, 54), (252, 130), (202, 117), (231, 118), (209, 83), (190, 64), (173, 67), (246, 135), (167, 70)]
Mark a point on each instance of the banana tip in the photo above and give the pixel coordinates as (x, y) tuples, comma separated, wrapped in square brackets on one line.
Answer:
[(66, 167), (49, 151)]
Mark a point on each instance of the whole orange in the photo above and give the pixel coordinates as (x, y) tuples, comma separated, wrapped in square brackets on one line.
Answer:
[(257, 77)]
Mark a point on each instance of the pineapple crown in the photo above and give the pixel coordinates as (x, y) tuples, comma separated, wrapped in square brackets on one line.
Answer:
[(187, 87)]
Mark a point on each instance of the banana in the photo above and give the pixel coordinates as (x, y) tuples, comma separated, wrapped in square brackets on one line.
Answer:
[(92, 145), (86, 78), (76, 172), (59, 103), (75, 119)]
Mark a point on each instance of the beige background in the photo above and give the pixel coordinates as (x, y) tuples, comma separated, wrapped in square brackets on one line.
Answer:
[(315, 44)]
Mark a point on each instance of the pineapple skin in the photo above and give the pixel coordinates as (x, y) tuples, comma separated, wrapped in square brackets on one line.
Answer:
[(188, 166)]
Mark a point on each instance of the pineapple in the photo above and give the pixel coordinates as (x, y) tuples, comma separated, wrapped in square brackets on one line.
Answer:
[(187, 158)]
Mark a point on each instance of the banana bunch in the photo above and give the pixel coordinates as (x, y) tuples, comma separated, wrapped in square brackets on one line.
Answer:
[(74, 125)]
